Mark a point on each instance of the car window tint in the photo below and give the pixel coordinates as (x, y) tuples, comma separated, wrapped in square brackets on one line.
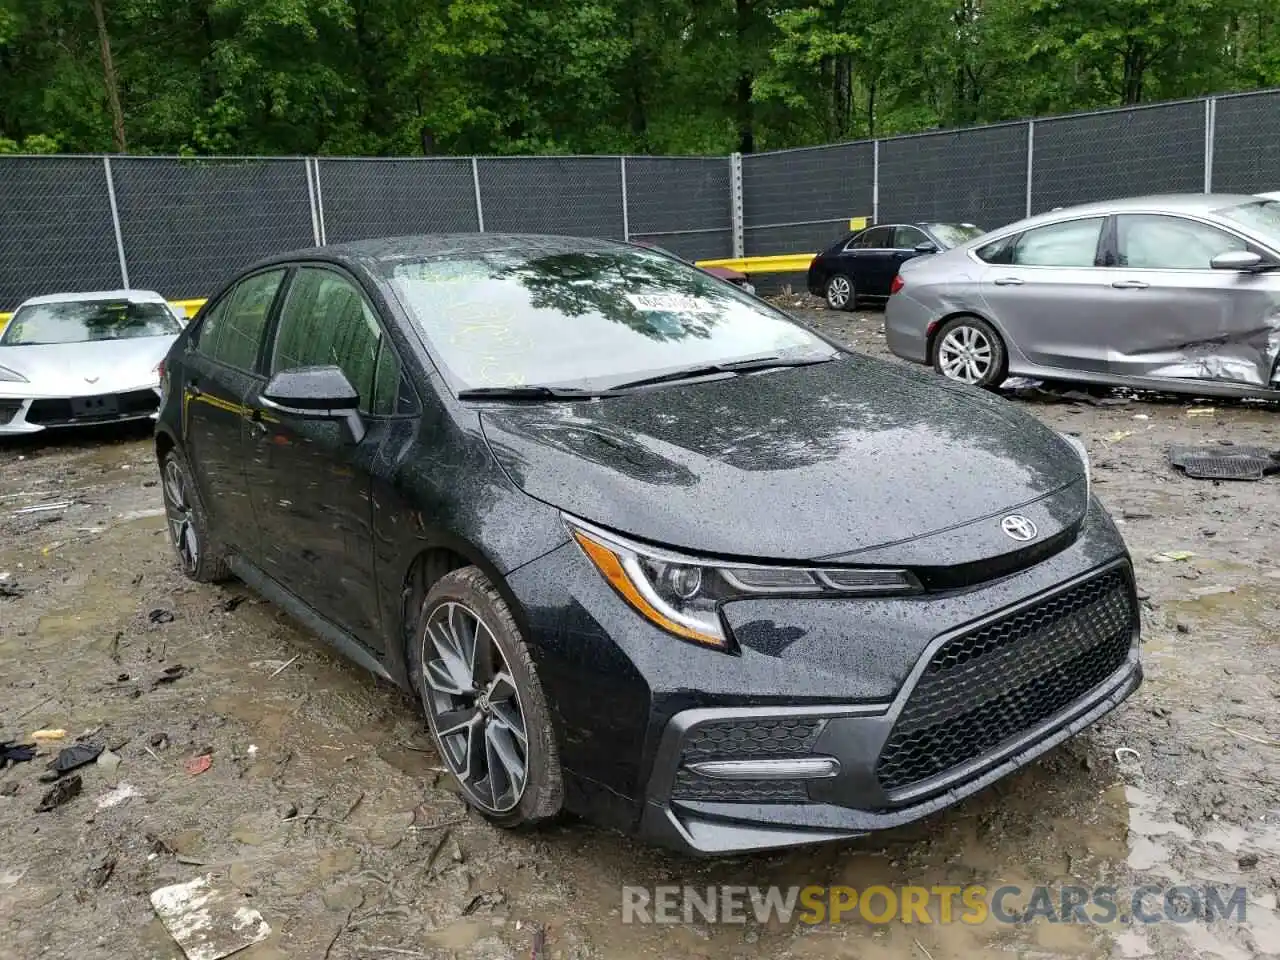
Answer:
[(386, 380), (907, 238), (1170, 243), (875, 239), (326, 321), (210, 329), (235, 334), (1070, 244)]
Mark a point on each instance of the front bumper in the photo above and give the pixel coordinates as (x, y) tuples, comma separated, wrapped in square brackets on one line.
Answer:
[(628, 699), (980, 703), (23, 415)]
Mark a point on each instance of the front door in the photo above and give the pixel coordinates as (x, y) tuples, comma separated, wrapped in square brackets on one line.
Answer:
[(220, 370), (1181, 318), (310, 480)]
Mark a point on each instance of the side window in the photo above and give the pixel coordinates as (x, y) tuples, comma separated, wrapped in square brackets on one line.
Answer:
[(908, 238), (1070, 244), (326, 321), (211, 327), (1170, 243), (1001, 251), (875, 239), (232, 332)]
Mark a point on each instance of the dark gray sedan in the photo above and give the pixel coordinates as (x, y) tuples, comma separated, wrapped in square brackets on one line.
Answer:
[(1176, 293)]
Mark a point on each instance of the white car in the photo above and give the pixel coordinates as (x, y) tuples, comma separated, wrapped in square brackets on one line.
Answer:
[(73, 359), (1270, 196)]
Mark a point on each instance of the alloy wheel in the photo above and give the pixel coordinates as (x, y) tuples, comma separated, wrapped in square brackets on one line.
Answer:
[(965, 354), (475, 707), (181, 519), (839, 290)]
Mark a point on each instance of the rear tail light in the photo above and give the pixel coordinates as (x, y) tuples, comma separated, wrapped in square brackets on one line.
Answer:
[(896, 285)]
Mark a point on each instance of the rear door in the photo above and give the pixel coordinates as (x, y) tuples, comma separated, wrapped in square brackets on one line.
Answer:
[(1180, 317), (1045, 290), (869, 261), (310, 481), (219, 371)]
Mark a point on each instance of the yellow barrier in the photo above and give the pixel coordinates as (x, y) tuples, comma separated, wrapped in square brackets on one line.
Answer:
[(783, 263)]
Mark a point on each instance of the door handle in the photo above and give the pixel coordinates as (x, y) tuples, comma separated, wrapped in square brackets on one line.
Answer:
[(1008, 282), (1130, 285)]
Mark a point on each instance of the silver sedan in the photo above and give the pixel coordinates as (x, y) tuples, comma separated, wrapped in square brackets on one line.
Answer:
[(73, 359), (1175, 293)]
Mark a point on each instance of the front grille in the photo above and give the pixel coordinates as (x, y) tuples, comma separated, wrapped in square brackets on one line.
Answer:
[(994, 683), (9, 409), (745, 739), (54, 412)]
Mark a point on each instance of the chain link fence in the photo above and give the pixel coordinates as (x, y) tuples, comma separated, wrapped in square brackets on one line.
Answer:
[(183, 226)]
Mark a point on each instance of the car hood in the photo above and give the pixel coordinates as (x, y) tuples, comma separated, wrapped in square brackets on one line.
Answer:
[(84, 369), (853, 460)]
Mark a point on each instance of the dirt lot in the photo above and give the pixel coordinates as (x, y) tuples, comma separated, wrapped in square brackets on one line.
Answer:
[(324, 807)]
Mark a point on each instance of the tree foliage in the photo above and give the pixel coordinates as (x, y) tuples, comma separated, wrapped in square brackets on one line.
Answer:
[(656, 76)]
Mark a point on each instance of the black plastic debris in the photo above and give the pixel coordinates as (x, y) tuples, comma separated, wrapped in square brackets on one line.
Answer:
[(160, 615), (10, 590), (230, 603), (1225, 462), (13, 752), (60, 793), (170, 674), (75, 757)]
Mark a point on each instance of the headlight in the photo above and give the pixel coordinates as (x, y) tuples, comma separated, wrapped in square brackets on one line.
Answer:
[(11, 376), (1084, 459), (682, 595)]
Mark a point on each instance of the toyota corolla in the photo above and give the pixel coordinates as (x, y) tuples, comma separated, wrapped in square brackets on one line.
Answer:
[(645, 548)]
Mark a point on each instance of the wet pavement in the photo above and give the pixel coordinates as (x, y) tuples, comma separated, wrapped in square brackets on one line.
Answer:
[(325, 808)]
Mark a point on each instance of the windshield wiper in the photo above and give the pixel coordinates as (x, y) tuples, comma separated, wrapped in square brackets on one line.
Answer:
[(731, 366), (536, 392)]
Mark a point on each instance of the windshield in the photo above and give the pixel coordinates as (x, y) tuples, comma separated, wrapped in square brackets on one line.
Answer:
[(585, 317), (1262, 217), (47, 323), (954, 234)]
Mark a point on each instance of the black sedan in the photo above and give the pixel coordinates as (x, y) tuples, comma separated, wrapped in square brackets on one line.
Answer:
[(645, 548), (862, 266)]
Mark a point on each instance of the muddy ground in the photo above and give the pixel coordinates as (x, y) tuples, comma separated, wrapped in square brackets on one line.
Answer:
[(325, 809)]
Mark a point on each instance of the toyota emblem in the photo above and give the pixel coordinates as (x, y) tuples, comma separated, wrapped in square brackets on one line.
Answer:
[(1018, 528)]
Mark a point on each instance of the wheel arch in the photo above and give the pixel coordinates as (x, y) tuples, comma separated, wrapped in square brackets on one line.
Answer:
[(432, 562)]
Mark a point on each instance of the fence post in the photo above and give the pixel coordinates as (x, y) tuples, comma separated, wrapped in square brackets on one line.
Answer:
[(735, 200), (1031, 155), (1210, 127), (626, 221), (115, 222), (324, 233), (475, 182), (311, 198), (875, 181)]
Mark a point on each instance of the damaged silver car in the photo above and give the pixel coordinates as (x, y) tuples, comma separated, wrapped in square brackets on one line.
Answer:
[(1174, 293)]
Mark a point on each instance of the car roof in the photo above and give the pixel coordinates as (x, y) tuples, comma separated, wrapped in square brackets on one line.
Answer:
[(1192, 203), (93, 296), (374, 253)]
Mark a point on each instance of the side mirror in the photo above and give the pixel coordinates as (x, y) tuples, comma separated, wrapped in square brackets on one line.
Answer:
[(1243, 260), (928, 246), (316, 393)]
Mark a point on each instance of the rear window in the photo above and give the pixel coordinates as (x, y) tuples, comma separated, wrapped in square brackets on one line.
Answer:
[(584, 317), (86, 320), (954, 234)]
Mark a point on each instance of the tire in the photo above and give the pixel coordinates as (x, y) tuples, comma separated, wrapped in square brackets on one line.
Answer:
[(469, 693), (968, 350), (840, 292), (202, 559)]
